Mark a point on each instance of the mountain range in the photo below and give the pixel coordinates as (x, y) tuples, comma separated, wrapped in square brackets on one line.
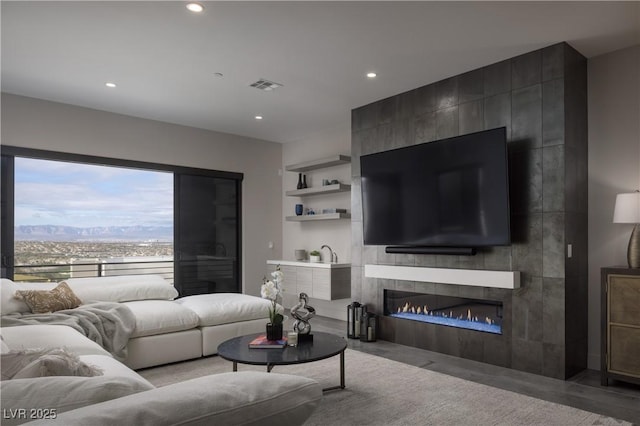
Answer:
[(96, 233)]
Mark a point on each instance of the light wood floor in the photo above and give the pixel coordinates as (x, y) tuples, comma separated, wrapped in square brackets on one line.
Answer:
[(619, 400)]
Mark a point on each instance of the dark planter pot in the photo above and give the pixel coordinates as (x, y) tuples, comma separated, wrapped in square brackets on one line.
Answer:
[(274, 331)]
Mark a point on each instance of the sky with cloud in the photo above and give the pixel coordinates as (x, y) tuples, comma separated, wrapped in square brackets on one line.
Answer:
[(83, 195)]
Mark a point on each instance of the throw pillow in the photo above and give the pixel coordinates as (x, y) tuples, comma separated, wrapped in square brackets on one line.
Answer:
[(31, 363), (43, 301)]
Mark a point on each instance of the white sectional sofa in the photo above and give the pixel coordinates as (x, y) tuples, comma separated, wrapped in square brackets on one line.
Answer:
[(165, 330), (122, 397)]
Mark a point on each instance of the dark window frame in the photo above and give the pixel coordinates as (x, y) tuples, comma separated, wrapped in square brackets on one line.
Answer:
[(8, 202)]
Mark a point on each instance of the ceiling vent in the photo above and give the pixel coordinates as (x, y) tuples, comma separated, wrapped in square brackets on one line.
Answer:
[(266, 85)]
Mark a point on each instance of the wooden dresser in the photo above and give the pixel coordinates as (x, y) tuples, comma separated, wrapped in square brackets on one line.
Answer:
[(620, 338)]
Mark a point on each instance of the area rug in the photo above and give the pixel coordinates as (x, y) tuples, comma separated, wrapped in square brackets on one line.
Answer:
[(380, 391)]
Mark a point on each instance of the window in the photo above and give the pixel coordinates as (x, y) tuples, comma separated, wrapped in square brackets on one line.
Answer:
[(93, 219), (67, 215)]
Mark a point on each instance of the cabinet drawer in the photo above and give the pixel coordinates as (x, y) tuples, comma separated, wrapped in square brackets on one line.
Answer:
[(624, 299), (624, 348)]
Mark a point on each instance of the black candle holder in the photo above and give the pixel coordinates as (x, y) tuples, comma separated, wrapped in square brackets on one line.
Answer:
[(369, 327), (355, 312)]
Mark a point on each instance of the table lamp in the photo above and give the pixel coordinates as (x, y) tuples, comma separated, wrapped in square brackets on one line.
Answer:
[(627, 210)]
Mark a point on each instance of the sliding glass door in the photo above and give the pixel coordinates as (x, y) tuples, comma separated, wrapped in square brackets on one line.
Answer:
[(207, 234), (195, 242)]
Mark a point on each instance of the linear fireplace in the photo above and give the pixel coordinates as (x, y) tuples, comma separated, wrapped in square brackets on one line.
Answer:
[(473, 314)]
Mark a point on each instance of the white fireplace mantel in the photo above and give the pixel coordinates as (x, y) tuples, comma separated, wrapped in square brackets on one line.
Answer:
[(473, 277)]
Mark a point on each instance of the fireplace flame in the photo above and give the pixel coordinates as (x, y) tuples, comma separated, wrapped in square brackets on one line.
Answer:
[(424, 310)]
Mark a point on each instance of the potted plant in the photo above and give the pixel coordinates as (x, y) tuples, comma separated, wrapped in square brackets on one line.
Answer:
[(271, 290), (314, 256)]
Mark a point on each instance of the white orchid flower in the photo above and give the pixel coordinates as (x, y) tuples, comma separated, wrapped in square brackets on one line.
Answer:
[(269, 290), (277, 276)]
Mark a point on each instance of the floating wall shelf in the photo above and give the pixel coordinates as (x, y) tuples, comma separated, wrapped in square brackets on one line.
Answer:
[(306, 166), (311, 217), (327, 189)]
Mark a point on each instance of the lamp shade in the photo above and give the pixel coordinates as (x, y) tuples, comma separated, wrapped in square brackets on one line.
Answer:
[(627, 209)]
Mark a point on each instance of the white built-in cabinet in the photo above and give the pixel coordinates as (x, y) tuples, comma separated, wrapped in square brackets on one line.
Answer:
[(318, 282)]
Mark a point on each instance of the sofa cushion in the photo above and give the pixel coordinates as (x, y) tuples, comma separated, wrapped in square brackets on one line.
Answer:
[(244, 398), (113, 367), (122, 288), (224, 308), (50, 336), (43, 301), (9, 304), (160, 316), (62, 394), (31, 363)]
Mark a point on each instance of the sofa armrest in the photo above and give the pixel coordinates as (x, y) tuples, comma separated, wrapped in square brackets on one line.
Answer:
[(246, 398)]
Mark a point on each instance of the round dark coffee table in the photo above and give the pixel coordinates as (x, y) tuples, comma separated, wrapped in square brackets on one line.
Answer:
[(323, 345)]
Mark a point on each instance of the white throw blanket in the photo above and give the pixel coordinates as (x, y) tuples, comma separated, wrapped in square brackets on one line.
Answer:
[(108, 324)]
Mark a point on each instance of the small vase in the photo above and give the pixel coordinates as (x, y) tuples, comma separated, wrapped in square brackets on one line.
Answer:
[(274, 331), (299, 181), (304, 181)]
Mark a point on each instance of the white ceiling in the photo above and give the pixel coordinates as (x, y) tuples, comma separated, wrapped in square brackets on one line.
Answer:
[(163, 57)]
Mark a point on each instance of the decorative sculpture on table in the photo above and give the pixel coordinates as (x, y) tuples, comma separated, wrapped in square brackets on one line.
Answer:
[(302, 312)]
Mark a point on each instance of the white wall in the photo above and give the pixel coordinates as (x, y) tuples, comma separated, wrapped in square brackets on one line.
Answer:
[(614, 167), (312, 235), (34, 123)]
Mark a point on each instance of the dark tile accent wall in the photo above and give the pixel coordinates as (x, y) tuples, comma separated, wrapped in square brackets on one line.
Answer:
[(541, 98)]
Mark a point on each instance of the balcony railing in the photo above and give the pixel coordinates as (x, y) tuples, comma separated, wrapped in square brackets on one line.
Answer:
[(56, 273)]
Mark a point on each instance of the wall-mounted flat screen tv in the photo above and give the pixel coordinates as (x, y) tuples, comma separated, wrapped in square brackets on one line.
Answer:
[(448, 193)]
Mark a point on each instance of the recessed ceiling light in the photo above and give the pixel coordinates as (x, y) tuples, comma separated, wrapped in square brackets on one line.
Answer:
[(195, 7), (110, 84), (259, 117), (372, 75)]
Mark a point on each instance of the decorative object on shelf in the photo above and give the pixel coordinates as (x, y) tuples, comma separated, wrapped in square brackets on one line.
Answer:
[(271, 290), (325, 182), (627, 210), (355, 313), (335, 182), (300, 254), (368, 327), (314, 256), (302, 312), (310, 211), (333, 210), (304, 181), (299, 181), (299, 209)]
